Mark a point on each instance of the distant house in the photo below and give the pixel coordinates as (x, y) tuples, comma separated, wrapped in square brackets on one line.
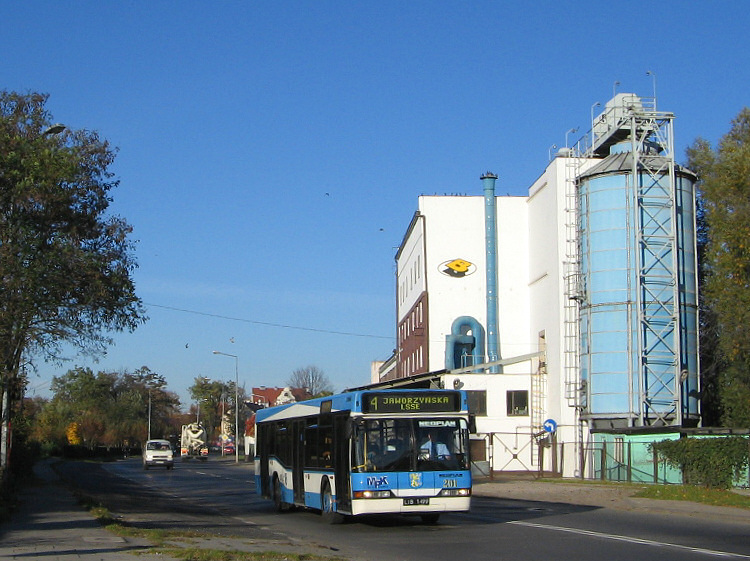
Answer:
[(269, 397)]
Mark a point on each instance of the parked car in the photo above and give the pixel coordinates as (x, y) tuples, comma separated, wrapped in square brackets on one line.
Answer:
[(158, 453)]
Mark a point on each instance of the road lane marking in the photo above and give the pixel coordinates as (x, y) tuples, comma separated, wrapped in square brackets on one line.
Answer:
[(628, 539), (211, 474)]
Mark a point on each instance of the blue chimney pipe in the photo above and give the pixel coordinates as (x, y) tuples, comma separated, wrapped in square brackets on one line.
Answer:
[(490, 228)]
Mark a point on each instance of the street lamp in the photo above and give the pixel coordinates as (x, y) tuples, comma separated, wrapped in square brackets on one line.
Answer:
[(236, 404), (223, 413), (571, 131), (549, 152), (597, 104), (653, 81)]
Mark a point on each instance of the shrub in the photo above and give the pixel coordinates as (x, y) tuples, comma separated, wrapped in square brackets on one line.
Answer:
[(711, 462)]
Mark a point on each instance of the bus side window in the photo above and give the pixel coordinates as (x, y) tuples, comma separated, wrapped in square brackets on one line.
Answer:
[(311, 445), (326, 446), (325, 459)]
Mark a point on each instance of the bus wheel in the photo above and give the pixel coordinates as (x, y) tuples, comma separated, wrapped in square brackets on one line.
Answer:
[(431, 518), (327, 507), (277, 502)]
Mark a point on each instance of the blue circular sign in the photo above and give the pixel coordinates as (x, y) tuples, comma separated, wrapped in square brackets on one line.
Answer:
[(550, 425)]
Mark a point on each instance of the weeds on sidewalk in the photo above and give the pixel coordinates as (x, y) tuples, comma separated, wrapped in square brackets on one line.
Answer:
[(197, 554), (164, 541)]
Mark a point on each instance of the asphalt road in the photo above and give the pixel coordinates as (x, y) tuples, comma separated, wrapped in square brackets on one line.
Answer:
[(217, 497)]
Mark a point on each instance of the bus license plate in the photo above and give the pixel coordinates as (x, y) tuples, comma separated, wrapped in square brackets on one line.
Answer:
[(417, 501)]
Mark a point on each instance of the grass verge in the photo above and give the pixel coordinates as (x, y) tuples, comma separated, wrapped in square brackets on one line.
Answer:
[(696, 494), (198, 554), (691, 493), (160, 537)]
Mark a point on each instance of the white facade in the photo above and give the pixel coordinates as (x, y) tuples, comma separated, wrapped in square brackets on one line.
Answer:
[(455, 230), (553, 315), (442, 277), (559, 258)]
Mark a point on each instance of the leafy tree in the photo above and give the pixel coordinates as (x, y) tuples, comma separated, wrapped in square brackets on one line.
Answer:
[(73, 434), (207, 394), (725, 199), (65, 265), (143, 387), (23, 449), (312, 378), (711, 363), (32, 413), (107, 408), (212, 398)]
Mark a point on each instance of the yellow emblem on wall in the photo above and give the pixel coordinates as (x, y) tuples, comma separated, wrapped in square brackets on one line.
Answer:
[(457, 268)]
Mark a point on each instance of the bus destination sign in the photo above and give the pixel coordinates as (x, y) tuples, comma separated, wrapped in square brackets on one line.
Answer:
[(411, 402)]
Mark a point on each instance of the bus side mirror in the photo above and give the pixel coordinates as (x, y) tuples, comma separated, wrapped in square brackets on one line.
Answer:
[(473, 424)]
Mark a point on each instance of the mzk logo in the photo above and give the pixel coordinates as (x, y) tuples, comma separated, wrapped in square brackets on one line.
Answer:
[(415, 480), (380, 481), (457, 268)]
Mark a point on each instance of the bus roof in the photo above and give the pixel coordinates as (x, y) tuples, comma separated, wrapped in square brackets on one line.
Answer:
[(391, 401)]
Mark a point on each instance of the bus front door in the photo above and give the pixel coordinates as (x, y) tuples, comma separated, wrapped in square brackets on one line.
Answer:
[(342, 462), (262, 435), (298, 456)]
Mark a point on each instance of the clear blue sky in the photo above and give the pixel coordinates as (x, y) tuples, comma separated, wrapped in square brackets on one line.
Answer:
[(271, 153)]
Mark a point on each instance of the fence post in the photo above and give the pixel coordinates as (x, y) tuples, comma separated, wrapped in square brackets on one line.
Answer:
[(492, 456), (656, 467), (553, 453), (630, 462), (561, 462), (582, 460), (541, 457), (604, 459)]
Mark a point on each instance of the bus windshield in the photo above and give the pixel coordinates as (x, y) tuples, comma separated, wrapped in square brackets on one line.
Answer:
[(410, 445)]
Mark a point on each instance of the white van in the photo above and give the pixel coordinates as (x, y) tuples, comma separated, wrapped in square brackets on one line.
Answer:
[(158, 453)]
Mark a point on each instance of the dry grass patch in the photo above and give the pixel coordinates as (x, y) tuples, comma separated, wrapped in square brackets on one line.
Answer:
[(696, 494)]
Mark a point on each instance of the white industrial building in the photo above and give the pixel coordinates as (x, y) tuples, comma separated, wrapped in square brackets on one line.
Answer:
[(569, 315)]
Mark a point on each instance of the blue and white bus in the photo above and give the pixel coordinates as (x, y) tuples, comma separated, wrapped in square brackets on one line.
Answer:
[(367, 452)]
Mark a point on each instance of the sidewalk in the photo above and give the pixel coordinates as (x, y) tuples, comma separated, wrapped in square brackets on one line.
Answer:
[(50, 524), (598, 495)]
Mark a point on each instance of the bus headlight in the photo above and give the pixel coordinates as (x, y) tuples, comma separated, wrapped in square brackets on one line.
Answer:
[(455, 493), (372, 494)]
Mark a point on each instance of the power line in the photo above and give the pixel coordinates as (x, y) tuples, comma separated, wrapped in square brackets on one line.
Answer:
[(268, 324)]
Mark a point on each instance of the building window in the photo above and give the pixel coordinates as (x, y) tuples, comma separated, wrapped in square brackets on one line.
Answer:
[(477, 402), (518, 403)]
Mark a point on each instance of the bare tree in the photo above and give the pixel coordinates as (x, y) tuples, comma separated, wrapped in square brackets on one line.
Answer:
[(312, 378)]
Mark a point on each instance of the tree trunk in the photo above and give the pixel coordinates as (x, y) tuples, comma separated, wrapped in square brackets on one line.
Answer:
[(4, 434)]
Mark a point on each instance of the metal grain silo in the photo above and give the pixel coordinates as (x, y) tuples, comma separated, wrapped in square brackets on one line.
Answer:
[(638, 303)]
